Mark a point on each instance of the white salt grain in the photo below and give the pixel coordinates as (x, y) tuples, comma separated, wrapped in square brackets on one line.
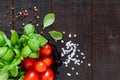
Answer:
[(62, 41), (78, 50), (75, 35), (68, 74), (66, 65), (82, 54), (89, 64), (63, 32), (81, 62), (78, 64), (37, 24), (77, 56), (70, 35), (73, 68), (77, 73), (77, 44), (84, 57)]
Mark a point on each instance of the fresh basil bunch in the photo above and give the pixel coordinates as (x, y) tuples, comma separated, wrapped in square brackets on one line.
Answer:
[(15, 49)]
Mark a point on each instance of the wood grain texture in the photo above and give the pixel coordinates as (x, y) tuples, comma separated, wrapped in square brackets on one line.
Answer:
[(95, 22), (73, 17), (106, 39), (5, 16)]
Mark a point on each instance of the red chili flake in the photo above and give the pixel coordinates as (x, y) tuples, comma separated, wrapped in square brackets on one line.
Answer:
[(35, 9), (26, 13)]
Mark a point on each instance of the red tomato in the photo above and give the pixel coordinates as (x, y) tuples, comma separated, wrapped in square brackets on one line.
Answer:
[(28, 63), (48, 61), (47, 75), (46, 51), (40, 66), (31, 75)]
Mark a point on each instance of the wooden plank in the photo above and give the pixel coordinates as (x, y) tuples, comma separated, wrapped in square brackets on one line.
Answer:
[(73, 17), (106, 42), (5, 16)]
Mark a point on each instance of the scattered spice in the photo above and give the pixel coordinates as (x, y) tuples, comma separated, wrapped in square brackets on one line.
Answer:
[(72, 54)]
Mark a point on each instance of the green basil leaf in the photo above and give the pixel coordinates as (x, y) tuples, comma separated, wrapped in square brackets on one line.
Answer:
[(1, 65), (33, 44), (14, 38), (14, 63), (4, 76), (23, 38), (14, 71), (48, 20), (42, 40), (3, 50), (2, 38), (56, 35), (33, 55), (6, 62), (25, 52), (9, 55), (11, 79), (8, 42), (21, 78), (17, 51), (29, 28), (39, 39)]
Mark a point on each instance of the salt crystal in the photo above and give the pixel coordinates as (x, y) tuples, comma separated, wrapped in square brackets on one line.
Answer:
[(77, 73), (62, 55), (78, 50), (73, 68), (77, 44), (37, 24), (70, 35), (75, 35), (77, 56), (82, 53), (84, 57), (63, 32), (68, 74), (89, 64), (81, 62), (23, 24), (62, 41), (78, 64), (66, 65)]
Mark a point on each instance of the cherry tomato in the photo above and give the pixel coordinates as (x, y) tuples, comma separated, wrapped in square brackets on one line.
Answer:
[(40, 66), (48, 61), (31, 75), (47, 75), (28, 63), (46, 51)]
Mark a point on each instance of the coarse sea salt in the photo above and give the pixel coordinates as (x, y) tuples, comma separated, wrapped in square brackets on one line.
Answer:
[(75, 35), (76, 73), (82, 54), (73, 68), (84, 57), (70, 51), (70, 35), (89, 64), (63, 32), (68, 74), (62, 41), (72, 54)]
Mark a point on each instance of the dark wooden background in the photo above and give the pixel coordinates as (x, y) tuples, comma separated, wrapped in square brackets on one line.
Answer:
[(96, 23)]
